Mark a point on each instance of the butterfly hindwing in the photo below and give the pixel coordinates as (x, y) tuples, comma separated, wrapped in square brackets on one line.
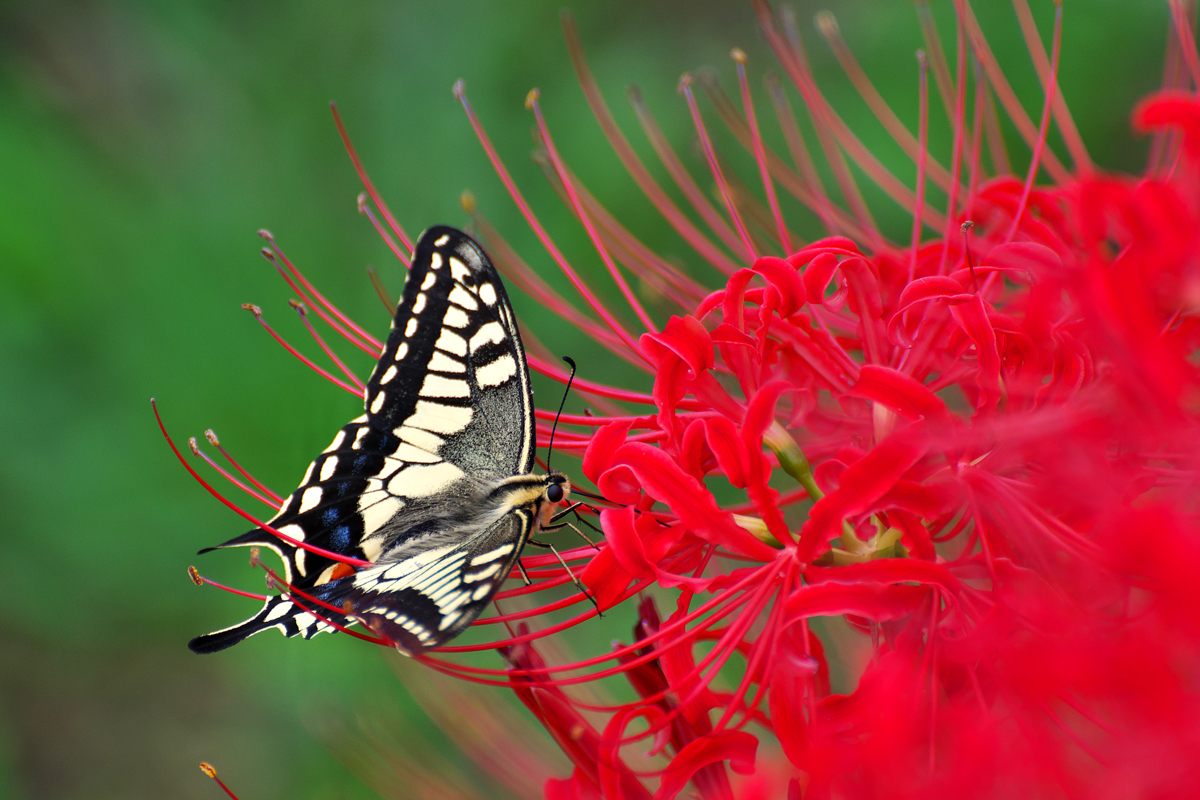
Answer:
[(428, 595), (448, 410)]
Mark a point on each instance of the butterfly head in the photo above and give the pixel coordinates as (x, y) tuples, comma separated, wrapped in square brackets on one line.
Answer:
[(556, 489)]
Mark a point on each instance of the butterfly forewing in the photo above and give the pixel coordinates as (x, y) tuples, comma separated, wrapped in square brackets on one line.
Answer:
[(448, 415)]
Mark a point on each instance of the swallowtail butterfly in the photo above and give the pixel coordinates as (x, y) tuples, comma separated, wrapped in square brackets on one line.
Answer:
[(432, 484)]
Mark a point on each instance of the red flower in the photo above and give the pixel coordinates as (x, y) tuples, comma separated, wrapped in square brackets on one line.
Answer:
[(992, 434)]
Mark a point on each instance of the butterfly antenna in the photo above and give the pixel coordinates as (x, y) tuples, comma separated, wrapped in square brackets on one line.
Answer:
[(570, 380)]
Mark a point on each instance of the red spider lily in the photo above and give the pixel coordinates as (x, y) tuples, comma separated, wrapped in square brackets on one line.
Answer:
[(991, 430)]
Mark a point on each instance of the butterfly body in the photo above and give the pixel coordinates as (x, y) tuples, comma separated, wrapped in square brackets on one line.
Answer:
[(432, 484)]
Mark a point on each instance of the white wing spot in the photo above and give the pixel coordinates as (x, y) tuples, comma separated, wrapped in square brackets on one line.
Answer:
[(483, 574), (430, 280), (376, 509), (451, 342), (444, 363), (419, 304), (329, 467), (377, 403), (362, 432), (411, 328), (460, 296), (337, 441), (310, 499), (402, 351), (437, 386), (293, 530), (441, 240), (487, 293), (424, 481), (497, 372), (492, 555), (481, 592), (415, 455), (387, 376), (435, 261), (420, 438), (492, 333), (449, 620), (440, 418), (456, 317), (458, 269)]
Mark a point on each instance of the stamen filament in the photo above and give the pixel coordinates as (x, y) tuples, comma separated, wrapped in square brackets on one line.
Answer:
[(248, 517), (302, 310), (1040, 148), (215, 442), (1062, 115), (321, 300), (258, 315), (1008, 98), (365, 209), (685, 88), (629, 159), (828, 26), (196, 451), (759, 155), (532, 220), (366, 182), (200, 580), (923, 134)]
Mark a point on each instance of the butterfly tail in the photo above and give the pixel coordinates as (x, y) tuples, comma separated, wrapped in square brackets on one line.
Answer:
[(288, 618)]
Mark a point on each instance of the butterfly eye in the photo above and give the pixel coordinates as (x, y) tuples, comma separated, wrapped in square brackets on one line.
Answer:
[(554, 493)]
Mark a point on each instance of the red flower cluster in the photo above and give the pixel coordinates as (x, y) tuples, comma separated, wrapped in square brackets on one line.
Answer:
[(971, 458)]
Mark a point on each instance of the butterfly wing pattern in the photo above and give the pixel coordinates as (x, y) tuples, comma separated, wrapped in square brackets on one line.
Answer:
[(431, 484)]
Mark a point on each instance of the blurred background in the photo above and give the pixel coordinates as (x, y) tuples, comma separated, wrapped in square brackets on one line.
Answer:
[(143, 144)]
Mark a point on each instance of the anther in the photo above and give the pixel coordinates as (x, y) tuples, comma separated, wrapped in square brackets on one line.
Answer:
[(299, 306), (266, 234), (192, 444), (211, 436), (362, 202), (459, 89), (738, 55), (253, 309), (827, 23), (467, 201), (208, 769), (685, 83), (194, 574), (255, 561), (532, 98)]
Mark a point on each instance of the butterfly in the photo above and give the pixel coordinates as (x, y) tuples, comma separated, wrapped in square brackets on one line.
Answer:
[(432, 485)]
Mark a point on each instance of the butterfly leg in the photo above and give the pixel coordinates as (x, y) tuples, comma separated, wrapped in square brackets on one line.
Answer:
[(565, 566), (524, 574), (572, 509)]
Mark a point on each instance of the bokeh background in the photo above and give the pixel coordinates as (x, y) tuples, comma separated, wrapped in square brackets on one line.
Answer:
[(142, 145)]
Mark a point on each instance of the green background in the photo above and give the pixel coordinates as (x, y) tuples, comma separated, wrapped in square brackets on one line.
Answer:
[(141, 147)]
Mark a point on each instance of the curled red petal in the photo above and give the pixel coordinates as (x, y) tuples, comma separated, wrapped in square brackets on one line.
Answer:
[(973, 319), (661, 478), (817, 275), (736, 747), (1029, 257), (863, 482), (783, 278), (600, 450), (605, 579), (726, 445), (903, 394), (1170, 110), (684, 337), (875, 601), (624, 542)]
